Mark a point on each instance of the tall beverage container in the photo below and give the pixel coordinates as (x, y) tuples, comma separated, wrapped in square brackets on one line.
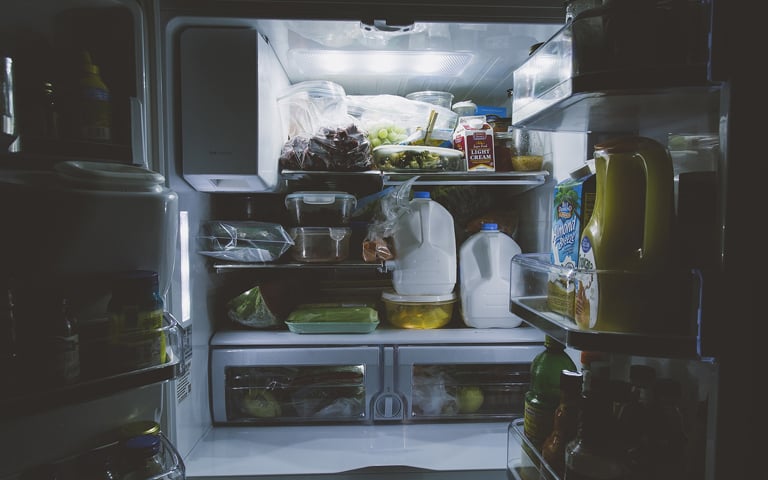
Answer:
[(484, 267), (425, 249)]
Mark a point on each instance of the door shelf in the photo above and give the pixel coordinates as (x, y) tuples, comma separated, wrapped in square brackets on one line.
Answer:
[(524, 461), (84, 464), (531, 299), (35, 395), (595, 75)]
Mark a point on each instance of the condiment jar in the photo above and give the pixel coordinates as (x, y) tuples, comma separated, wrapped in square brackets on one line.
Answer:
[(136, 319)]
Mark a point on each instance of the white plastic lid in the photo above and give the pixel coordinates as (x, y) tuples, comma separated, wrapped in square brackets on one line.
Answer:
[(109, 176), (392, 296)]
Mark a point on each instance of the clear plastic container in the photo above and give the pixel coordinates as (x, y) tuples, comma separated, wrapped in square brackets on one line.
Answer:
[(416, 158), (443, 99), (320, 244), (320, 209), (418, 311), (307, 106)]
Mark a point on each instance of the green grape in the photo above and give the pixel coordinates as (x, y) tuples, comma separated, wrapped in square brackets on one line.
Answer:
[(393, 136), (382, 133), (375, 142)]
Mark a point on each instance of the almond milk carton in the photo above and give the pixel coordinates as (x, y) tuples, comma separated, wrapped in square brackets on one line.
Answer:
[(474, 137), (574, 200)]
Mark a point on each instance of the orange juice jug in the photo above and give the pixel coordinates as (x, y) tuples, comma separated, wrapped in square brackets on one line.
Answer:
[(625, 276)]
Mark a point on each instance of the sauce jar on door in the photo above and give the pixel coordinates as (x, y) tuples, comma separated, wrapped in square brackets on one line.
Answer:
[(135, 313)]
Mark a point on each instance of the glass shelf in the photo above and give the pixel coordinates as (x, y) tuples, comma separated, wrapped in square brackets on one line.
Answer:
[(346, 265), (384, 178), (34, 395), (531, 298)]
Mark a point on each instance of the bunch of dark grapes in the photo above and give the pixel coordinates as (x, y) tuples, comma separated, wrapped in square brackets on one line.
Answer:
[(331, 149)]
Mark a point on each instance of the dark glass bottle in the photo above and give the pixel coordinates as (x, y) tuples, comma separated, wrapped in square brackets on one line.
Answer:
[(49, 111), (592, 455), (565, 421), (668, 439), (61, 342), (9, 344), (634, 421), (542, 398)]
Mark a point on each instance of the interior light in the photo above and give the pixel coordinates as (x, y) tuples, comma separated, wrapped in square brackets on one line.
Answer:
[(379, 62)]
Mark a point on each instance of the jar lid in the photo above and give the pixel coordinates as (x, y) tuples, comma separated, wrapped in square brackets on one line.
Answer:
[(392, 296), (143, 443), (141, 427)]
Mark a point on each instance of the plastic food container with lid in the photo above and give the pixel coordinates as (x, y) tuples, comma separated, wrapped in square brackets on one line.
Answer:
[(443, 99), (417, 158), (320, 209), (320, 244), (418, 311)]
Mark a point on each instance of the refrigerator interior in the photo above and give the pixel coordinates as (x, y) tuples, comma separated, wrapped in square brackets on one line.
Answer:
[(177, 124)]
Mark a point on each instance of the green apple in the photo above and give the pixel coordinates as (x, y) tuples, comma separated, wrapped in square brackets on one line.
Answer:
[(470, 399)]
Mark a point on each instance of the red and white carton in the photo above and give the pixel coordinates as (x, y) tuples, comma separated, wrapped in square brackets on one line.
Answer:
[(474, 137)]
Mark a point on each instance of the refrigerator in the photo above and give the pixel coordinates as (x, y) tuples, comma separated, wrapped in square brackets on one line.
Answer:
[(195, 94)]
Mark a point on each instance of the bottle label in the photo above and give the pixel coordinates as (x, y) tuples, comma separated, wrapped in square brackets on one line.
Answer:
[(96, 115), (587, 288), (64, 355), (137, 338), (538, 421)]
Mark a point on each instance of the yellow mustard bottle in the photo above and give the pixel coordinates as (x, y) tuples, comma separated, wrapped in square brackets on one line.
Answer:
[(96, 107), (627, 247)]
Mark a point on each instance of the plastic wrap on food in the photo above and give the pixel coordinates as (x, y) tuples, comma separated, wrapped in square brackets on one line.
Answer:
[(243, 241), (263, 306)]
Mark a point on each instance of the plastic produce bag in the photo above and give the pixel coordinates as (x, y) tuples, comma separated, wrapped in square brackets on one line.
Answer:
[(243, 241), (392, 119), (251, 310), (334, 149), (430, 396), (392, 204)]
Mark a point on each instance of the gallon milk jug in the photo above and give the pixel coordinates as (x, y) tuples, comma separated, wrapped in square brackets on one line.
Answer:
[(484, 265), (425, 249), (627, 280)]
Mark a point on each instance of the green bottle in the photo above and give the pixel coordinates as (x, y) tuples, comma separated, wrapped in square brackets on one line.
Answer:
[(542, 398)]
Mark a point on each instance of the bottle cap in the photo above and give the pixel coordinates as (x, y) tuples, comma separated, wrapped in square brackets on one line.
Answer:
[(421, 194), (490, 227)]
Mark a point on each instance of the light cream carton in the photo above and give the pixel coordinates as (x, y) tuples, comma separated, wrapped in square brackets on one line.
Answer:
[(474, 137)]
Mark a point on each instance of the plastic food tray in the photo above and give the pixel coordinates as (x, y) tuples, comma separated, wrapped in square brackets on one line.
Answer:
[(332, 327), (399, 158)]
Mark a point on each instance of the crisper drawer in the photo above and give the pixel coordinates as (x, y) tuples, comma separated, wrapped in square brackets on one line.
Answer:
[(294, 385), (463, 382)]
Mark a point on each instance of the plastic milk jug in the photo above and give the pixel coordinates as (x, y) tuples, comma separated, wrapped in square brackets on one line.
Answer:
[(425, 249), (626, 280), (484, 266)]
